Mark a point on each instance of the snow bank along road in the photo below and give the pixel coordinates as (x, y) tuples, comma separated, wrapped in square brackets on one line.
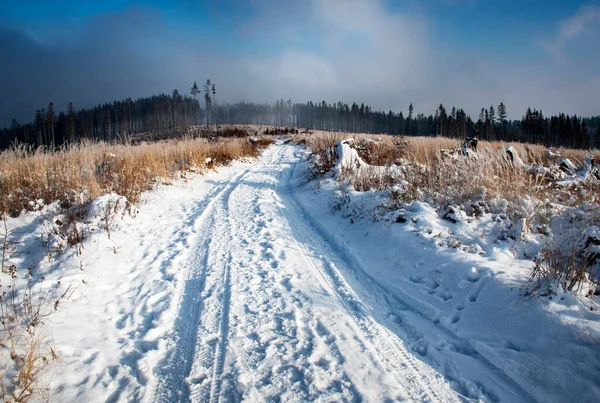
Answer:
[(266, 315), (233, 291)]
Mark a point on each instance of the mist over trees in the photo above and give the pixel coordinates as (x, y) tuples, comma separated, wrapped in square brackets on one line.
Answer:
[(108, 122), (171, 115)]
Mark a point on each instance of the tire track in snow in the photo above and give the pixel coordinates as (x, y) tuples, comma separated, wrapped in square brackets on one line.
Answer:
[(283, 349), (382, 342), (384, 298), (206, 374), (173, 370), (198, 367)]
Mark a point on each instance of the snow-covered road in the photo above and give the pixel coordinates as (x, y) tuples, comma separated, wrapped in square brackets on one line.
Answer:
[(266, 314), (244, 285)]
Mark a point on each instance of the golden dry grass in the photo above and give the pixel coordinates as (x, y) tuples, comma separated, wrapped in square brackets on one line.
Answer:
[(25, 358), (422, 148), (426, 147), (75, 176), (456, 180), (32, 365), (78, 174)]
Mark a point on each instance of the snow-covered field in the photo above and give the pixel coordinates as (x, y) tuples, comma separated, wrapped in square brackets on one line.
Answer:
[(252, 283)]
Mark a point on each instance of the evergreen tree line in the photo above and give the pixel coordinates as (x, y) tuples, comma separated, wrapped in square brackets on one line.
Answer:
[(158, 114), (171, 115)]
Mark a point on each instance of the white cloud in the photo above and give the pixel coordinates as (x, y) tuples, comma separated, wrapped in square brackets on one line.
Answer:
[(389, 59), (332, 50), (586, 21), (364, 54)]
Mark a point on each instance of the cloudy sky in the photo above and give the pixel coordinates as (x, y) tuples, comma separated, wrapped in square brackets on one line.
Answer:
[(386, 53)]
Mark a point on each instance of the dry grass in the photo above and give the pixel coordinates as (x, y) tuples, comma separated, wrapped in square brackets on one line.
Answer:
[(425, 148), (567, 267), (324, 155), (491, 175), (485, 181), (444, 181), (32, 364), (77, 174), (26, 358)]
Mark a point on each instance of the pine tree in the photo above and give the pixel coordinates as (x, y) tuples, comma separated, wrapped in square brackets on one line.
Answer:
[(492, 126), (71, 122), (207, 101), (50, 117), (214, 99), (598, 137), (175, 108), (38, 125), (158, 115), (585, 136), (443, 120), (44, 127), (577, 137), (486, 125), (410, 119), (195, 91), (502, 120), (14, 125)]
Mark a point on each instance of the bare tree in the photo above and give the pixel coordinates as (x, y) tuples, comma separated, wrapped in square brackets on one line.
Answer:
[(208, 102)]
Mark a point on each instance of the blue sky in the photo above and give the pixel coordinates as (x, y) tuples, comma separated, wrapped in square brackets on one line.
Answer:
[(388, 53)]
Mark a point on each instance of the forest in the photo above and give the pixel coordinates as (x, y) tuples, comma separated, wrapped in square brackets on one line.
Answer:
[(172, 115)]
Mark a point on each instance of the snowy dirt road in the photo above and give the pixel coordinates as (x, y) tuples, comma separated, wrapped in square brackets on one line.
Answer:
[(243, 284), (266, 314)]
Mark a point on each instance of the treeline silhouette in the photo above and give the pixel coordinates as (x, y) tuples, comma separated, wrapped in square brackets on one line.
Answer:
[(174, 115)]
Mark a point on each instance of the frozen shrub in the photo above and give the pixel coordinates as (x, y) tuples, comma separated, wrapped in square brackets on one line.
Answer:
[(497, 205), (571, 267), (324, 152), (340, 198)]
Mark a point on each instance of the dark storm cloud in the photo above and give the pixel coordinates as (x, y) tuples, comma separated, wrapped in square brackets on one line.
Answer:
[(102, 63)]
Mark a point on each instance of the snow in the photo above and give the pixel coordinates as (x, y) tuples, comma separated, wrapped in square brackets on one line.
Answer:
[(455, 289), (252, 283), (106, 208), (579, 176), (348, 158)]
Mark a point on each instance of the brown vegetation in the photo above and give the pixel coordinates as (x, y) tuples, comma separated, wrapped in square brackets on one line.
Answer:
[(26, 357), (431, 176), (77, 174), (568, 267), (489, 180)]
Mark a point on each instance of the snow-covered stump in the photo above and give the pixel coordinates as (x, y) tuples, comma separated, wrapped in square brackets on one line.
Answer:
[(552, 154), (535, 169), (581, 175), (467, 149), (588, 164), (513, 157), (567, 166), (348, 158), (350, 167)]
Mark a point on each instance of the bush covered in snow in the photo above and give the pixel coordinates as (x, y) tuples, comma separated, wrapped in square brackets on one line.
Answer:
[(526, 189)]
